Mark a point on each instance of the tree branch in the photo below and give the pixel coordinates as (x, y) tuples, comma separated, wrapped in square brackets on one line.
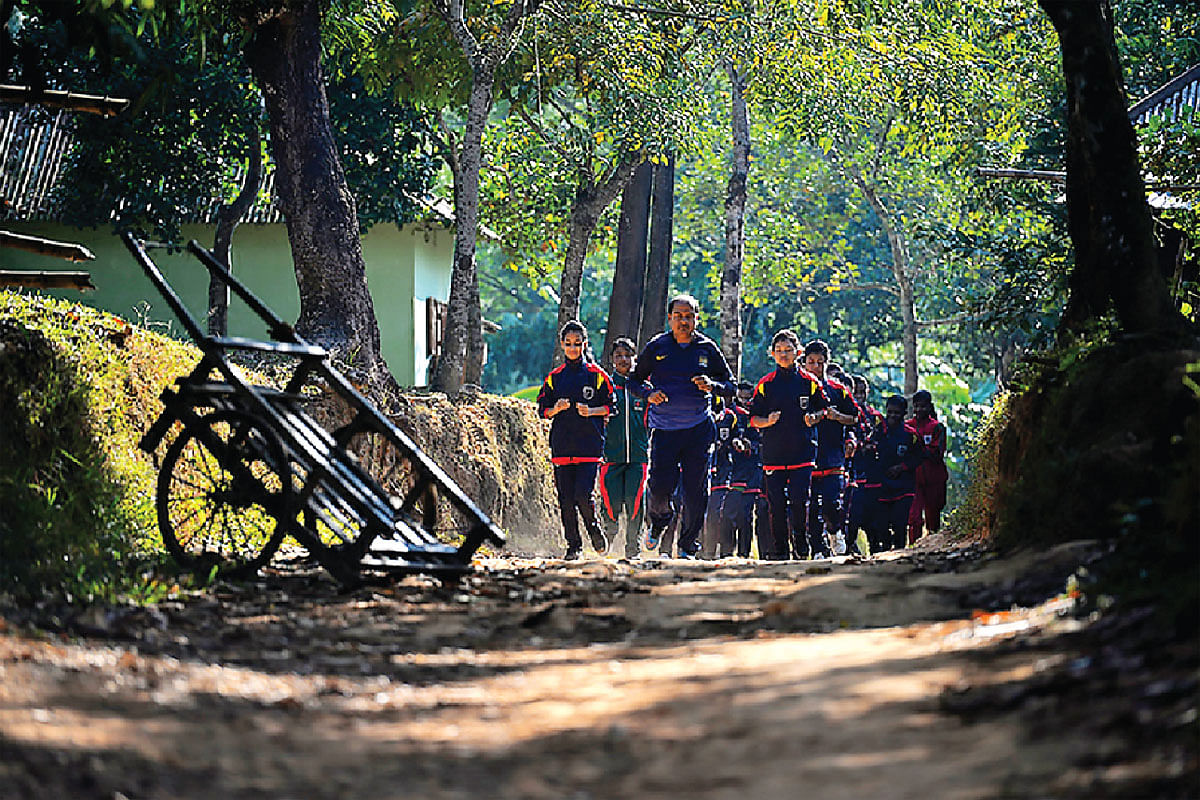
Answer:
[(541, 132), (449, 145), (877, 160), (453, 13), (955, 320), (851, 286), (506, 41)]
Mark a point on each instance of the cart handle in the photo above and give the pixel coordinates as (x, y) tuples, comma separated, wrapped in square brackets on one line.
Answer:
[(138, 249), (279, 330)]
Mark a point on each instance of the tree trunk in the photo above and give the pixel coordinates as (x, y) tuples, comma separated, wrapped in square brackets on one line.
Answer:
[(590, 203), (908, 334), (629, 272), (583, 222), (284, 53), (228, 217), (823, 314), (476, 351), (735, 216), (1107, 212), (463, 311), (902, 274), (658, 266)]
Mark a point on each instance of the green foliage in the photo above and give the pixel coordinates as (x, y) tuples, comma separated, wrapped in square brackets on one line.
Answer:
[(520, 354), (975, 516), (386, 151), (1118, 463), (75, 492), (591, 91), (176, 155), (1157, 40), (184, 145)]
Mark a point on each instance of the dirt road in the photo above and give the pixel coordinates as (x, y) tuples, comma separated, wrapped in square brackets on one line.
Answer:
[(891, 678)]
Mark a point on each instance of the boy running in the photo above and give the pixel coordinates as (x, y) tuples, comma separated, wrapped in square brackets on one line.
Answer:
[(860, 495), (626, 455), (930, 497), (745, 485), (893, 453), (787, 404), (829, 474)]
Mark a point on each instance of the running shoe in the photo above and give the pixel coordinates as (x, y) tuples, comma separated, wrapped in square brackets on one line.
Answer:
[(599, 542)]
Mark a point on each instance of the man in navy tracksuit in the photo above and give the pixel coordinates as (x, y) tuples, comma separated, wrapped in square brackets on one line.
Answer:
[(678, 370), (893, 454), (829, 473)]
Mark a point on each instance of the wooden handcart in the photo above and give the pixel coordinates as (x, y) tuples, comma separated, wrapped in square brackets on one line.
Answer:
[(249, 465)]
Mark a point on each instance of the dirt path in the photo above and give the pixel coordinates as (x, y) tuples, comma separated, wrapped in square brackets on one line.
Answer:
[(597, 679)]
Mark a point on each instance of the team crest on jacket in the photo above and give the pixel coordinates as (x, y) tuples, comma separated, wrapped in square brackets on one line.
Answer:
[(803, 402), (703, 360), (588, 393), (724, 433), (901, 449), (929, 438)]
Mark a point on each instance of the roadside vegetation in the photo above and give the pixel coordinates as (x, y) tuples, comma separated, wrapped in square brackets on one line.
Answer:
[(78, 386)]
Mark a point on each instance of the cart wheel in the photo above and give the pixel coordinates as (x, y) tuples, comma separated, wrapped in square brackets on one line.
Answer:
[(224, 494)]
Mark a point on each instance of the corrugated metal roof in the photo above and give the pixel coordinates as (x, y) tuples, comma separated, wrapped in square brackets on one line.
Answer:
[(31, 159), (1169, 100), (34, 144)]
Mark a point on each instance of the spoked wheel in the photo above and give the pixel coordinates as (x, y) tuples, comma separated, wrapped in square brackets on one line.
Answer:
[(224, 494)]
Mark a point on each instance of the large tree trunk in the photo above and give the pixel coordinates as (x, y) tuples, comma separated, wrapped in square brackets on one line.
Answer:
[(629, 272), (658, 265), (284, 53), (735, 216), (590, 203), (463, 311), (462, 344), (583, 222), (1107, 212), (476, 350), (902, 274), (228, 217)]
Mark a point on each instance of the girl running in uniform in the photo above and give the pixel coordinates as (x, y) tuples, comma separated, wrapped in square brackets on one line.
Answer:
[(577, 397)]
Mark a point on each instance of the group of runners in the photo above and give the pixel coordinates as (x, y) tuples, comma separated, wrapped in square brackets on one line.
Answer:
[(687, 457)]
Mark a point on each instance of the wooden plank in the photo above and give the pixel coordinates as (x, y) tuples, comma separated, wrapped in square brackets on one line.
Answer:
[(46, 280), (46, 247), (52, 98)]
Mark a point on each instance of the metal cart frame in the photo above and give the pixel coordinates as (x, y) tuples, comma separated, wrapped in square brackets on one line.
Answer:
[(250, 465)]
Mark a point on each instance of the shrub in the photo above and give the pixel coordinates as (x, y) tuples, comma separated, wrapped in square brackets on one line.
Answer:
[(76, 494)]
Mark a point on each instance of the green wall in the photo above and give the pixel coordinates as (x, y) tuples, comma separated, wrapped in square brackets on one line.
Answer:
[(404, 267)]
